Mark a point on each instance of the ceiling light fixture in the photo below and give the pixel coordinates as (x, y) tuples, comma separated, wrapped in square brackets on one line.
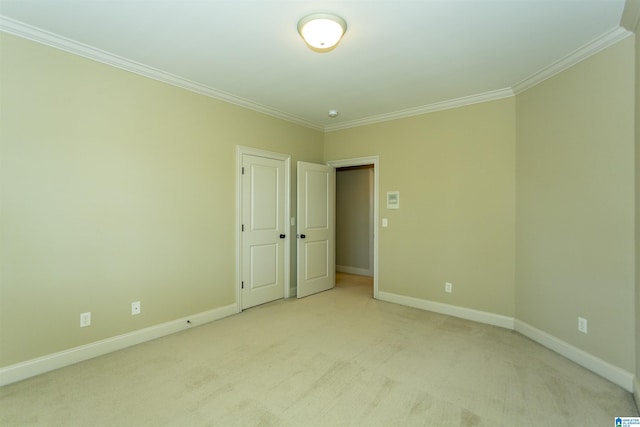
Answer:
[(322, 31)]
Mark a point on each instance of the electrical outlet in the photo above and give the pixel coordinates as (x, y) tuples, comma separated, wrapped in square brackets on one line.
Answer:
[(135, 308), (85, 319), (582, 325), (448, 287)]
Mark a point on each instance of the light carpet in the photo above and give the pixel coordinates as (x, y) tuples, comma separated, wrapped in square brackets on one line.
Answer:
[(337, 358)]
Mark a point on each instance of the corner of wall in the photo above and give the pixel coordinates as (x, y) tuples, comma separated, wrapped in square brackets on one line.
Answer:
[(631, 21), (631, 15), (636, 391)]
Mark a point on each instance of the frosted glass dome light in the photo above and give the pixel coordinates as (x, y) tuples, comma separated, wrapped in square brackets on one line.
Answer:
[(322, 31)]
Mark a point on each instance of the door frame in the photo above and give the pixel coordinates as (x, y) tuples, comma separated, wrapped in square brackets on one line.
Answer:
[(375, 161), (240, 151)]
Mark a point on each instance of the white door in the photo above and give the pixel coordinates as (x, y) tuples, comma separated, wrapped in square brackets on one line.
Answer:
[(316, 233), (263, 230)]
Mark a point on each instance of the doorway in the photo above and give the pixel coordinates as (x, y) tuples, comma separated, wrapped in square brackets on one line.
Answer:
[(289, 233), (371, 164), (354, 220)]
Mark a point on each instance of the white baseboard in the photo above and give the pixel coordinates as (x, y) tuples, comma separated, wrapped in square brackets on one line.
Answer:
[(293, 292), (598, 366), (353, 270), (606, 370), (30, 368), (451, 310)]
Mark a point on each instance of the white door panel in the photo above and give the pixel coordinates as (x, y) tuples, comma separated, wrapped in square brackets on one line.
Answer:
[(264, 266), (316, 206), (316, 260), (264, 200), (263, 222), (316, 234)]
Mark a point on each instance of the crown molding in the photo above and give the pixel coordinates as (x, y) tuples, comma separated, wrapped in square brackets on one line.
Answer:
[(424, 109), (38, 35), (29, 32), (604, 41)]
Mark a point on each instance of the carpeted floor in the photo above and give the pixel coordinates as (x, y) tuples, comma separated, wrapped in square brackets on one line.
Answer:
[(333, 359)]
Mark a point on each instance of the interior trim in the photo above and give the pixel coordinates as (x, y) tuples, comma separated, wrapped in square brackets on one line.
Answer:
[(596, 365), (375, 161), (424, 109), (23, 370), (450, 310), (604, 41), (353, 270), (29, 32)]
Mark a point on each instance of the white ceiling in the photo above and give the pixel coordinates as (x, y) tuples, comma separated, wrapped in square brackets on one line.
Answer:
[(397, 56)]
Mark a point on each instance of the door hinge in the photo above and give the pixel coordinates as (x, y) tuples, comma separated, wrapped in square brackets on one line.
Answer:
[(242, 285), (243, 170), (242, 227)]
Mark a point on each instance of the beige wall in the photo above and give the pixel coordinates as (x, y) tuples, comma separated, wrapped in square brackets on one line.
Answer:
[(115, 188), (455, 171), (637, 198), (575, 205), (353, 217)]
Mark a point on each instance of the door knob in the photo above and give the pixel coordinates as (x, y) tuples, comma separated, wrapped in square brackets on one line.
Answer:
[(282, 236), (301, 236)]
